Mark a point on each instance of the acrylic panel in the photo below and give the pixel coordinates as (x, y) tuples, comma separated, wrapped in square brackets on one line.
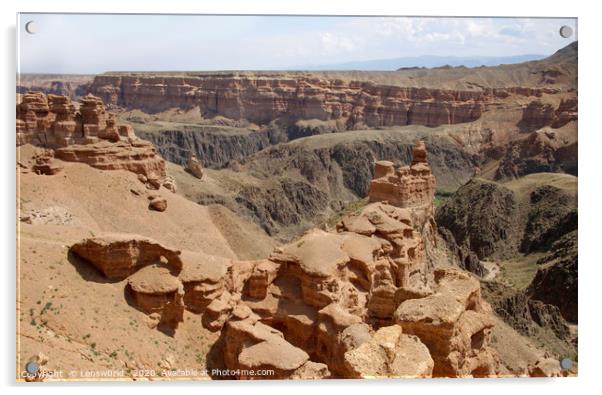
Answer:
[(295, 197)]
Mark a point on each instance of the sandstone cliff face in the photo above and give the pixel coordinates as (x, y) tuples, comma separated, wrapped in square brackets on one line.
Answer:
[(89, 134), (261, 99)]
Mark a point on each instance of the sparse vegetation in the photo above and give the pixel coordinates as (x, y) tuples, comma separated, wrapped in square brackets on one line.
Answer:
[(351, 208)]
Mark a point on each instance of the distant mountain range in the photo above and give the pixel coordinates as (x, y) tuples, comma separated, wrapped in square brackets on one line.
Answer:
[(429, 61)]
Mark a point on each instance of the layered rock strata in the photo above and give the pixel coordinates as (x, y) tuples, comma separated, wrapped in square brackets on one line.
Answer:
[(118, 255), (45, 164), (157, 292), (88, 134), (538, 114), (203, 277), (410, 186), (263, 98)]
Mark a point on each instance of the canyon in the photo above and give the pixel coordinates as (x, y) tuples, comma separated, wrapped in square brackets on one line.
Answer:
[(410, 224), (356, 301)]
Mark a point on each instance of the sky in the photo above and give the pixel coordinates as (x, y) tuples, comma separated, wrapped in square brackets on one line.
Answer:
[(91, 44)]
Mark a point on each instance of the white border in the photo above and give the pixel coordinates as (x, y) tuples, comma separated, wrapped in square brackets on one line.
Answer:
[(589, 195)]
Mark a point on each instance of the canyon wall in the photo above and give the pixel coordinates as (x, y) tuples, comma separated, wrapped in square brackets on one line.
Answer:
[(263, 98)]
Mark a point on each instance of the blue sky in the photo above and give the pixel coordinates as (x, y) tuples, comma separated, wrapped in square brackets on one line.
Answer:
[(98, 43)]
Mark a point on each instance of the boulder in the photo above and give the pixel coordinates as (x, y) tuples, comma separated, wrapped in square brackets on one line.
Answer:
[(195, 167), (545, 367), (45, 164), (158, 204)]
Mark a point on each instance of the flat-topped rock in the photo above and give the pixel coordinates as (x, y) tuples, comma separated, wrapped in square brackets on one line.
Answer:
[(275, 352), (317, 253), (454, 326), (117, 255), (434, 310), (199, 267), (253, 345), (154, 279)]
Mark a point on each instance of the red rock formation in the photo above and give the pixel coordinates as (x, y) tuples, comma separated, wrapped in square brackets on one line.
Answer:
[(263, 98), (89, 135), (263, 275), (157, 292), (138, 156), (358, 301), (45, 164), (53, 121), (390, 354), (329, 293), (323, 290), (454, 323), (253, 346), (204, 279), (409, 186), (119, 255)]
